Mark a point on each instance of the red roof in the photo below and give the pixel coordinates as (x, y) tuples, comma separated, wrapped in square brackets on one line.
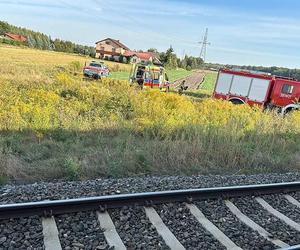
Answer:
[(15, 37), (142, 55)]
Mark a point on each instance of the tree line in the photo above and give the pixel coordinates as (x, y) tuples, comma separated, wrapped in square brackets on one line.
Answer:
[(170, 60), (42, 41)]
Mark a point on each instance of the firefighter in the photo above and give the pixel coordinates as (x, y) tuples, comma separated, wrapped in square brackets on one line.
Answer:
[(140, 80), (182, 88)]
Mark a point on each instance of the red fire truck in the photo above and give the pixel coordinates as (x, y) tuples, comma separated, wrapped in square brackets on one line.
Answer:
[(258, 88)]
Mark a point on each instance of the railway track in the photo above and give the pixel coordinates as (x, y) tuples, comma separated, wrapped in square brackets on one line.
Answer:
[(241, 217)]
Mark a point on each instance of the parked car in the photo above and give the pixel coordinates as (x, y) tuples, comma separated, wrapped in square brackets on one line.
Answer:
[(96, 70)]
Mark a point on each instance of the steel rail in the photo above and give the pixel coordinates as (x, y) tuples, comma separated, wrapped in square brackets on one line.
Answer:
[(296, 247), (56, 207)]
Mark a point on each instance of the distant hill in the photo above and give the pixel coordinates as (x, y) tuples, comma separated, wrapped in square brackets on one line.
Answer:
[(42, 41)]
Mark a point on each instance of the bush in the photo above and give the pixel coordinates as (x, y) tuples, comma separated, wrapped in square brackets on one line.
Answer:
[(72, 169), (10, 42), (75, 66)]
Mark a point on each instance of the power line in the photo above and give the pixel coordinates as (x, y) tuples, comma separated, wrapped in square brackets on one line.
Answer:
[(204, 45)]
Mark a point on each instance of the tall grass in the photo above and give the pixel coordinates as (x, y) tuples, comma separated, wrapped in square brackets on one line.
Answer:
[(55, 125)]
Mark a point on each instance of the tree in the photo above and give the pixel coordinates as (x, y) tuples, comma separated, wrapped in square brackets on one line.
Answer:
[(171, 58), (31, 42), (153, 50), (4, 27), (183, 62)]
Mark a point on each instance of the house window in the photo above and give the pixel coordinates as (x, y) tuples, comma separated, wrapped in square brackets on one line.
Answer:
[(287, 89), (113, 50), (102, 48), (107, 42)]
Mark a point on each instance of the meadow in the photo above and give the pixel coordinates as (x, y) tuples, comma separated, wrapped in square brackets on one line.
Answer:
[(55, 125)]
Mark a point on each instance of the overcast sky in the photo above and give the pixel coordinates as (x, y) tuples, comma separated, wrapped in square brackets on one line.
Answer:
[(241, 32)]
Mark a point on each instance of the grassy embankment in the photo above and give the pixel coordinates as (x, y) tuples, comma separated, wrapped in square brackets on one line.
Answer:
[(55, 125)]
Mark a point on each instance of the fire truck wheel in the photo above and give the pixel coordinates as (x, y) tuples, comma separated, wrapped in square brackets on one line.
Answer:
[(236, 101), (290, 110)]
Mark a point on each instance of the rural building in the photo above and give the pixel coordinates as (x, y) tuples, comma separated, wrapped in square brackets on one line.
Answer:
[(15, 37), (111, 49), (108, 48)]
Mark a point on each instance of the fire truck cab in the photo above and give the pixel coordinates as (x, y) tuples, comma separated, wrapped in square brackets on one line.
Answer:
[(257, 88), (285, 94)]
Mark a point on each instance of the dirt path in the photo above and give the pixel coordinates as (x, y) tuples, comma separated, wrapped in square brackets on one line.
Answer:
[(193, 81)]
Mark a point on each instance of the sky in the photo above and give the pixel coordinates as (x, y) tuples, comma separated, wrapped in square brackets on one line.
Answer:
[(241, 32)]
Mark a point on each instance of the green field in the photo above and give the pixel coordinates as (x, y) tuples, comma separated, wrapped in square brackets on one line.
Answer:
[(210, 81), (119, 75), (175, 74)]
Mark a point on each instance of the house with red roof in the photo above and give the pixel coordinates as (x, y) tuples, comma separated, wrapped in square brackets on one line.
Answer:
[(141, 57), (111, 49), (15, 37)]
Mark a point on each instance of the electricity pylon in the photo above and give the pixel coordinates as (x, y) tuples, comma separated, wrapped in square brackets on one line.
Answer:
[(204, 46)]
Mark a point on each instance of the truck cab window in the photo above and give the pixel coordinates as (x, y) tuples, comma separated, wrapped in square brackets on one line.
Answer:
[(287, 89), (155, 76)]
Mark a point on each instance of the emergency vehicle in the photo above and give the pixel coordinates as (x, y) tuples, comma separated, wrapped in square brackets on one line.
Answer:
[(257, 88), (149, 75)]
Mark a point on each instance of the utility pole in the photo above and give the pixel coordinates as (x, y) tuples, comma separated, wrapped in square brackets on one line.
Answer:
[(183, 54), (204, 46)]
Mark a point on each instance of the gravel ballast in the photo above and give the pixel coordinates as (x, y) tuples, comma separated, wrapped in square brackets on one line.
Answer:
[(272, 224), (80, 231), (281, 204), (135, 230), (218, 213), (22, 233), (68, 190), (185, 227)]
